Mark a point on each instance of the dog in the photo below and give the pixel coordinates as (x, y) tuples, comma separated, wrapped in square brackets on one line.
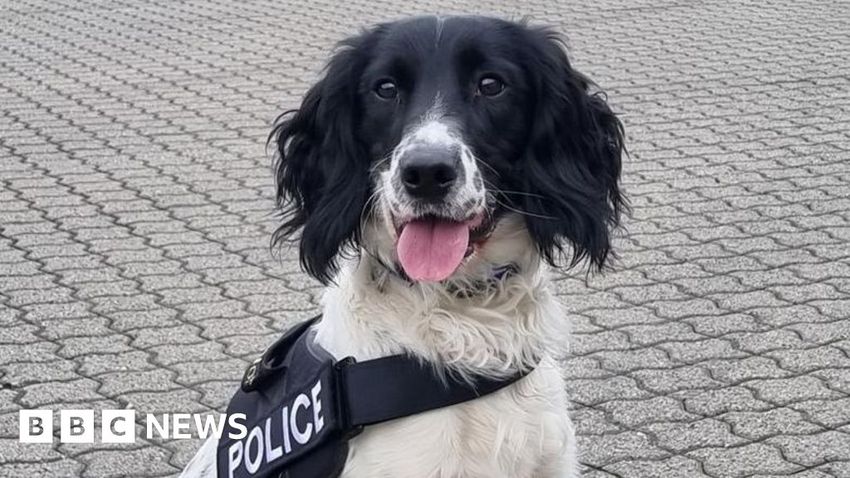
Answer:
[(433, 177)]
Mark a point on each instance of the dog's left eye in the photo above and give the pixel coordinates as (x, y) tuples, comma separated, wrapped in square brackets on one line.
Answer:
[(386, 89), (490, 86)]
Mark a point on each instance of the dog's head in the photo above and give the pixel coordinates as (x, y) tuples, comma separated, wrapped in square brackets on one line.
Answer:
[(433, 142)]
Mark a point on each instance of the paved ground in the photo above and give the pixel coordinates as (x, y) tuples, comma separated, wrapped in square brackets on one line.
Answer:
[(135, 218)]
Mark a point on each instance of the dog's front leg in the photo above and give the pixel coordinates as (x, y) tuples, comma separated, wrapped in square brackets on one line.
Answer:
[(564, 467), (563, 462), (569, 458)]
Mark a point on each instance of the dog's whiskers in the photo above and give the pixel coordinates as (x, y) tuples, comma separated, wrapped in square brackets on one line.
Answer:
[(368, 210), (519, 193), (491, 168), (519, 211), (378, 164), (496, 190), (495, 195)]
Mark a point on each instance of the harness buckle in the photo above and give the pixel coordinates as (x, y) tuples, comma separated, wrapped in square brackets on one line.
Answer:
[(250, 376), (273, 360), (348, 430)]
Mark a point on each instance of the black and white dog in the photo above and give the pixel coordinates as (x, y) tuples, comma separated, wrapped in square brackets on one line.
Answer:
[(435, 173)]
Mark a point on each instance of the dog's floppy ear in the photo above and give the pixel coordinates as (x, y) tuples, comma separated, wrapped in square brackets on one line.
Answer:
[(321, 169), (572, 166)]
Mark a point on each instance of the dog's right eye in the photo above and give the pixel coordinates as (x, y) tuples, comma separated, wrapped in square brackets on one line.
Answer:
[(490, 86), (386, 89)]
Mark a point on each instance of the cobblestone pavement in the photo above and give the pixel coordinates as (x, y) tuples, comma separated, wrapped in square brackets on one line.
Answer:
[(135, 218)]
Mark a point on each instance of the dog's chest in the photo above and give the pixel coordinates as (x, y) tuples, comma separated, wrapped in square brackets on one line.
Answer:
[(510, 433)]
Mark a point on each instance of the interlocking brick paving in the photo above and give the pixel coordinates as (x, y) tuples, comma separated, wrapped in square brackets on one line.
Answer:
[(135, 212)]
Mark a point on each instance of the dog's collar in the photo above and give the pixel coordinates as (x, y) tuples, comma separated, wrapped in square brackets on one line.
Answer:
[(470, 288)]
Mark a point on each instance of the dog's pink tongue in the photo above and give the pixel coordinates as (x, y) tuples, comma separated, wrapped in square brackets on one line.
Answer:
[(430, 250)]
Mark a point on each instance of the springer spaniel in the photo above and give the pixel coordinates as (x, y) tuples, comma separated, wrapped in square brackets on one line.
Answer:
[(433, 177)]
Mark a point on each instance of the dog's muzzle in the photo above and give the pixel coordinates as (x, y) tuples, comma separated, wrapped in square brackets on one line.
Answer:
[(434, 201)]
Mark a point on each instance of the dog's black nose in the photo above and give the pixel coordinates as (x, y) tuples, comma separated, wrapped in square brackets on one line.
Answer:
[(428, 174)]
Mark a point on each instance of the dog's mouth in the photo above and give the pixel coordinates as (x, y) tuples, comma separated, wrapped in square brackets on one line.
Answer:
[(430, 248)]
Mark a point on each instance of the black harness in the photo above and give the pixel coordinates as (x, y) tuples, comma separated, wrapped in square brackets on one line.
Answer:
[(301, 406)]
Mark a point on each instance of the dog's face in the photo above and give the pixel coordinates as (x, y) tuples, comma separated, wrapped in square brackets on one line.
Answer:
[(427, 135)]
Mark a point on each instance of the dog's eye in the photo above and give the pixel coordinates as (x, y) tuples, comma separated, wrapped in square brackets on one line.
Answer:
[(490, 86), (386, 89)]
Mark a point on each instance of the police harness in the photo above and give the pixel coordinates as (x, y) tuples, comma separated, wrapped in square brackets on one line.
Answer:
[(302, 406)]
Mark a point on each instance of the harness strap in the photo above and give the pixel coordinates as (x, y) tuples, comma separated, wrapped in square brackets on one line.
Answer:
[(387, 388)]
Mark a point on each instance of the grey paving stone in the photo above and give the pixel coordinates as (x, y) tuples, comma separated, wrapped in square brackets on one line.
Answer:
[(716, 401), (688, 377), (113, 384), (743, 461), (628, 360), (736, 370), (788, 390), (614, 447), (760, 425), (160, 402), (594, 391), (590, 421), (150, 461), (632, 413), (801, 474), (44, 393), (100, 363), (814, 449), (684, 436), (61, 467), (838, 469), (672, 467), (808, 360), (698, 351)]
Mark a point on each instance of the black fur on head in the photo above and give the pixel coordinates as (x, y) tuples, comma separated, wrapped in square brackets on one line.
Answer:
[(572, 165), (548, 147), (322, 169)]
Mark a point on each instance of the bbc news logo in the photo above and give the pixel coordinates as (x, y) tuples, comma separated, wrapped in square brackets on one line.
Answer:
[(119, 426)]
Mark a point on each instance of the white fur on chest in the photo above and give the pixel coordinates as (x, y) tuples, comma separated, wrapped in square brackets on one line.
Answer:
[(520, 431)]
